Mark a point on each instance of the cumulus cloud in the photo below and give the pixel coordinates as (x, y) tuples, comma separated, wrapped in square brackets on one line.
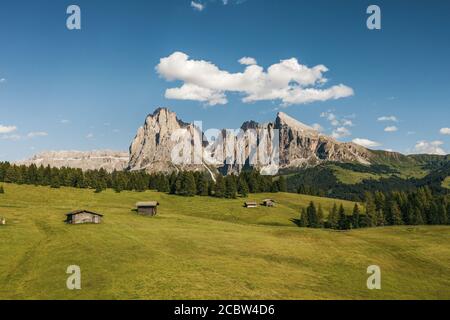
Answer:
[(247, 61), (37, 134), (429, 147), (445, 131), (7, 129), (391, 129), (388, 118), (89, 136), (340, 132), (197, 6), (287, 81), (335, 121), (2, 80), (366, 143)]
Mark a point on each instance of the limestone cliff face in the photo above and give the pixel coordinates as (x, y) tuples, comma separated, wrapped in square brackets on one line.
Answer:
[(299, 146), (85, 160), (155, 142), (162, 139)]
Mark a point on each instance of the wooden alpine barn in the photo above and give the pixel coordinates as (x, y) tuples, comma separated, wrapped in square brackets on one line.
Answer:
[(149, 208), (83, 217)]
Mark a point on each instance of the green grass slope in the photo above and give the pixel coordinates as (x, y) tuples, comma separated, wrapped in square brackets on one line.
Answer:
[(205, 248)]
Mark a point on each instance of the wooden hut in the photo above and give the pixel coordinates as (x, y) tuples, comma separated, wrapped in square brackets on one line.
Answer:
[(83, 216), (2, 221), (250, 204), (269, 203), (148, 208)]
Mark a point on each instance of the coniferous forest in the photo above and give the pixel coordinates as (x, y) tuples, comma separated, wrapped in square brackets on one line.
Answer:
[(183, 183), (415, 206)]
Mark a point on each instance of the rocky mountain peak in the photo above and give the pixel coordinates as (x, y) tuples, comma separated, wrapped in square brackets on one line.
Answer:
[(285, 120)]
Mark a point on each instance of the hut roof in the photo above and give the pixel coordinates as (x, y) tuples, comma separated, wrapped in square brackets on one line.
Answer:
[(251, 203), (269, 200), (83, 211), (147, 204)]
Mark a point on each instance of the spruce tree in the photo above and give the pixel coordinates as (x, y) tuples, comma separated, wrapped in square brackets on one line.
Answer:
[(312, 215), (2, 190), (320, 217), (371, 214), (303, 222), (396, 214), (230, 187), (243, 187), (219, 187), (282, 184), (163, 184), (342, 220), (203, 185), (356, 217), (441, 214), (333, 218)]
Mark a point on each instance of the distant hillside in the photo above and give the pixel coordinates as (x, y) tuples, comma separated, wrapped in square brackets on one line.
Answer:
[(85, 160), (350, 181)]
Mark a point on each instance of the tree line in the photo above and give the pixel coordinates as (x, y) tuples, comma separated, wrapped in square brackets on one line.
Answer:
[(418, 207), (183, 183)]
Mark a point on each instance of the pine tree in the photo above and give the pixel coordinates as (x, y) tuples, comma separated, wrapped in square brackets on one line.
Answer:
[(356, 217), (312, 216), (282, 184), (320, 217), (243, 187), (333, 218), (187, 185), (230, 187), (396, 214), (303, 222), (371, 214), (219, 188), (2, 190), (163, 184), (203, 185), (441, 214), (342, 220)]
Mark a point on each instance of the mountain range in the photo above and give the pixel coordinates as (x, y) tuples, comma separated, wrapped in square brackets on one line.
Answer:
[(300, 146)]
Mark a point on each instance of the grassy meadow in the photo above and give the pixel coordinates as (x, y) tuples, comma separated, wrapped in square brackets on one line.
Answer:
[(206, 248)]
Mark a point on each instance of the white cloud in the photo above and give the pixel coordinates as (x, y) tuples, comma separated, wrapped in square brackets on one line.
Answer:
[(366, 143), (247, 61), (37, 134), (65, 121), (335, 121), (197, 6), (391, 129), (317, 127), (347, 123), (388, 118), (445, 131), (7, 129), (89, 136), (340, 132), (12, 137), (288, 81), (2, 80), (432, 147)]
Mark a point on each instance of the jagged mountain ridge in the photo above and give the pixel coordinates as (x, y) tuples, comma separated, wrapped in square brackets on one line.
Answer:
[(300, 145)]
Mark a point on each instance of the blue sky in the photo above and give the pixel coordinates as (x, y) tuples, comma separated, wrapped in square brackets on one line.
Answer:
[(92, 88)]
